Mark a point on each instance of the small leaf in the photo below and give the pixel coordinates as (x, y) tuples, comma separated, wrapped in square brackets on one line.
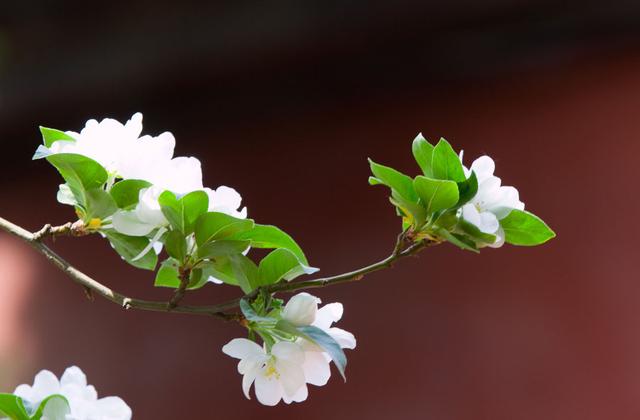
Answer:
[(458, 240), (415, 214), (126, 193), (445, 163), (328, 344), (267, 236), (80, 173), (219, 268), (222, 248), (176, 244), (182, 213), (473, 231), (250, 314), (51, 135), (12, 406), (281, 264), (436, 194), (213, 226), (423, 153), (524, 228), (245, 272), (467, 189), (167, 275), (99, 204), (65, 195), (394, 180), (53, 407), (130, 247)]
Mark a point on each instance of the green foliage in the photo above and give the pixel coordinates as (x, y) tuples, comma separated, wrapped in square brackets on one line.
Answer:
[(423, 154), (183, 212), (80, 173), (126, 193), (214, 226), (395, 180), (99, 204), (445, 163), (281, 264), (130, 247), (222, 248), (54, 406), (176, 245), (524, 228), (267, 236), (436, 195), (51, 135)]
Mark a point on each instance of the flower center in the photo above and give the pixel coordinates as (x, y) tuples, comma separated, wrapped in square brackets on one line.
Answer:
[(271, 370)]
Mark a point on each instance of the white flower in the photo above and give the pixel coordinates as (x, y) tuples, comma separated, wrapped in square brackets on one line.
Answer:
[(115, 146), (146, 217), (83, 399), (226, 200), (301, 309), (278, 375), (492, 202)]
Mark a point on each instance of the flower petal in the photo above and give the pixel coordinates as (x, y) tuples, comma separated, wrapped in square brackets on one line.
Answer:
[(328, 314), (316, 368), (268, 390), (241, 348), (288, 351)]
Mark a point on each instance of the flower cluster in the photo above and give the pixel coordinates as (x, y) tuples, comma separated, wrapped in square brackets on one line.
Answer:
[(297, 350), (467, 207), (80, 401), (126, 155)]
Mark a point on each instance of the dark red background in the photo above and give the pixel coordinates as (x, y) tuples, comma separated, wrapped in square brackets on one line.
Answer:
[(285, 102)]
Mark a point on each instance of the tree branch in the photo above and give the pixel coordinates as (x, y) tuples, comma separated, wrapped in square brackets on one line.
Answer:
[(92, 286)]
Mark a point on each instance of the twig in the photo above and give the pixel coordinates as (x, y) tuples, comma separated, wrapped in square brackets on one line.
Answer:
[(220, 310)]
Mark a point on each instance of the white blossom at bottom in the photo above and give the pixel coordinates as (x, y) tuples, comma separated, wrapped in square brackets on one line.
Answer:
[(84, 403)]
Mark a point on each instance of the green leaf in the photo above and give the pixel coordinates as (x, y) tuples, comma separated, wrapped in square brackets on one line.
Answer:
[(168, 275), (65, 195), (423, 153), (53, 407), (99, 204), (416, 214), (524, 228), (176, 244), (436, 194), (130, 247), (328, 344), (394, 180), (267, 236), (12, 406), (222, 248), (473, 231), (221, 269), (244, 271), (250, 313), (445, 163), (213, 226), (51, 135), (458, 240), (126, 193), (183, 212), (80, 173), (467, 189), (281, 264)]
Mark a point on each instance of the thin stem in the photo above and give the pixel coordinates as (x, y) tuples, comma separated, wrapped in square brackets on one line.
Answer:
[(92, 286)]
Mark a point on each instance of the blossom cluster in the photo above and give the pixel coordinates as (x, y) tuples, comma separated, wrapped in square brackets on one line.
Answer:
[(282, 368), (79, 400), (126, 155)]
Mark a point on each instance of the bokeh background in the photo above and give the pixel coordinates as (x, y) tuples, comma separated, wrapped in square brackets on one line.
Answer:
[(284, 101)]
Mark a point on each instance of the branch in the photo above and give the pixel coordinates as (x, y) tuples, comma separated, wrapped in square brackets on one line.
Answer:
[(96, 287), (219, 310)]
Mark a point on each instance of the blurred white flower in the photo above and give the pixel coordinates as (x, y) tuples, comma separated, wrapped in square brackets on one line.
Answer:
[(226, 200), (278, 374), (492, 202), (83, 399)]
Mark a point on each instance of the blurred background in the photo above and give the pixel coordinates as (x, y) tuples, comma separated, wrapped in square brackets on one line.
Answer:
[(284, 101)]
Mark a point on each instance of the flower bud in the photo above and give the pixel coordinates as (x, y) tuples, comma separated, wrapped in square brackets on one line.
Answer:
[(301, 309)]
